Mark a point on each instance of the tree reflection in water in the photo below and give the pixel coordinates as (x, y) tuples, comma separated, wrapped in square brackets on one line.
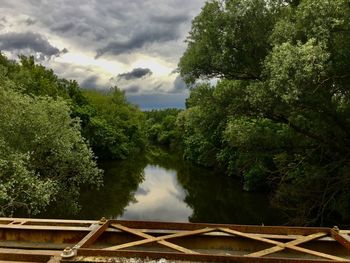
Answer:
[(160, 186)]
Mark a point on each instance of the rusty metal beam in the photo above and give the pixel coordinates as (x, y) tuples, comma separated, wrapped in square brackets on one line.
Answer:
[(155, 239), (190, 240), (162, 242), (280, 248), (284, 245), (7, 254), (343, 239), (88, 253), (277, 230), (95, 233)]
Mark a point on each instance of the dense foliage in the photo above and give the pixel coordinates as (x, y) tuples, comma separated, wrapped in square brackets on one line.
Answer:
[(114, 127), (161, 126), (44, 157), (279, 115)]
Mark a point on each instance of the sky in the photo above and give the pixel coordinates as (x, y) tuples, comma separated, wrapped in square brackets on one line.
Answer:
[(132, 44)]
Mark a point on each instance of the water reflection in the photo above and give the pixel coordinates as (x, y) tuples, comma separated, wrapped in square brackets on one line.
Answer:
[(219, 199), (160, 186), (159, 197)]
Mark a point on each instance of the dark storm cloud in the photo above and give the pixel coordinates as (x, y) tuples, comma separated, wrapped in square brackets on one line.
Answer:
[(27, 41), (90, 83), (137, 41), (136, 73), (111, 27), (123, 31)]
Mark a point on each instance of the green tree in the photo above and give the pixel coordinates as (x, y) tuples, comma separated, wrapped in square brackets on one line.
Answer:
[(282, 99), (112, 126), (43, 157), (115, 128), (161, 126)]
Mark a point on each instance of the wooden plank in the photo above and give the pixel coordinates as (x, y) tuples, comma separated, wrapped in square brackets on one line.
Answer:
[(284, 245), (155, 239), (92, 236), (279, 248), (343, 239), (163, 242)]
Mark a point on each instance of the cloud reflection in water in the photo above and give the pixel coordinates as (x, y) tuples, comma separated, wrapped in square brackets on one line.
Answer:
[(159, 197)]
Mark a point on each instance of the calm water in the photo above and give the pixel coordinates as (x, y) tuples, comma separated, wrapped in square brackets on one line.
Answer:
[(162, 187)]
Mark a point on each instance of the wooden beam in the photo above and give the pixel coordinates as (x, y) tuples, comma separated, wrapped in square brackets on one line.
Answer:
[(294, 243), (163, 242), (155, 239)]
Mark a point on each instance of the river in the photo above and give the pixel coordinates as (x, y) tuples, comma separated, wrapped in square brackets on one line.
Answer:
[(160, 186)]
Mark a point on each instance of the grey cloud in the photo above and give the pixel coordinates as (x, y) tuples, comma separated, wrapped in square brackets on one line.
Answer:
[(79, 29), (30, 21), (113, 27), (175, 19), (158, 87), (132, 89), (137, 41), (63, 27), (90, 83), (179, 85), (136, 73), (175, 71), (27, 41), (142, 191), (123, 28)]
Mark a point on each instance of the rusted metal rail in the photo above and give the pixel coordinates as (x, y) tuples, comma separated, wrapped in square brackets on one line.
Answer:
[(39, 240)]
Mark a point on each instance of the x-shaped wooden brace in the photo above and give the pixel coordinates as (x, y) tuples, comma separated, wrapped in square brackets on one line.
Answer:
[(160, 240), (280, 246)]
